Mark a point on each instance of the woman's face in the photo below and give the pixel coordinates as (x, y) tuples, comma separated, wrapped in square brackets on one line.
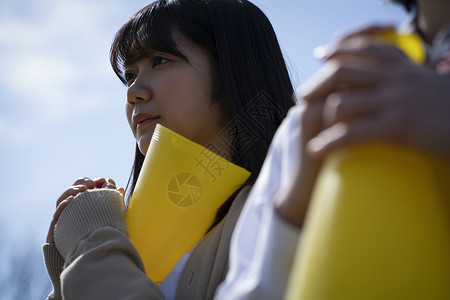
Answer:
[(174, 92)]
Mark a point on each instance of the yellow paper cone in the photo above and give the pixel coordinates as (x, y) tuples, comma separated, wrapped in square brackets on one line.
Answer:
[(178, 192), (378, 225)]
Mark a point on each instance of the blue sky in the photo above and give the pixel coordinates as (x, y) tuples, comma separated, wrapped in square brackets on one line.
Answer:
[(61, 106)]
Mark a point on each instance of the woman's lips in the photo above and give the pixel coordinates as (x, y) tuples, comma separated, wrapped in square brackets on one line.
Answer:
[(146, 121), (143, 119)]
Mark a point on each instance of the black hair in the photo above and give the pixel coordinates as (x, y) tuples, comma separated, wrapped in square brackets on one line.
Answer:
[(249, 75), (409, 5)]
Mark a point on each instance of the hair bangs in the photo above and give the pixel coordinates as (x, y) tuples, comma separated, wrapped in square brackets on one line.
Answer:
[(149, 30), (409, 5)]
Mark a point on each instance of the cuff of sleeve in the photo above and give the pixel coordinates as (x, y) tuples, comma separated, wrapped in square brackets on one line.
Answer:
[(54, 263), (282, 241), (87, 212)]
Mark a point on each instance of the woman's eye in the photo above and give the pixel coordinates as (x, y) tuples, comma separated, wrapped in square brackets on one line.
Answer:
[(159, 60), (129, 77)]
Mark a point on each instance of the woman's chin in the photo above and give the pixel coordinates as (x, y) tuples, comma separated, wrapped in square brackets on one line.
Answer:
[(143, 145)]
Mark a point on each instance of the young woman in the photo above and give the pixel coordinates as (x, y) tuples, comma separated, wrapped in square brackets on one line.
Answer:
[(201, 68), (386, 98)]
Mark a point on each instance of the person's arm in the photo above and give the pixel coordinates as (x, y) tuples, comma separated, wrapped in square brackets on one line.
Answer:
[(263, 242), (54, 264), (100, 261)]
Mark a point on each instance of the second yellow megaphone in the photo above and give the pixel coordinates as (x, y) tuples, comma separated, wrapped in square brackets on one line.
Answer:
[(179, 189), (379, 222)]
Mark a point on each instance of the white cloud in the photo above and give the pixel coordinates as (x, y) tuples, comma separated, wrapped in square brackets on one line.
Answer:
[(48, 82), (54, 60)]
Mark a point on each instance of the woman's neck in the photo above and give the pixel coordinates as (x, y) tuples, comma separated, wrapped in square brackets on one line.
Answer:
[(432, 15)]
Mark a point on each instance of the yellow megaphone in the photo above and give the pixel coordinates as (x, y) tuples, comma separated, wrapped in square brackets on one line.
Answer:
[(178, 192), (379, 222)]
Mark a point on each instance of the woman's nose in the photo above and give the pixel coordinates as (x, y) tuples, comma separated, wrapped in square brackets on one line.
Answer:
[(138, 92)]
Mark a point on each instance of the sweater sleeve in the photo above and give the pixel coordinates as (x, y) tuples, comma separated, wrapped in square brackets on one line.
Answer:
[(54, 264), (100, 261)]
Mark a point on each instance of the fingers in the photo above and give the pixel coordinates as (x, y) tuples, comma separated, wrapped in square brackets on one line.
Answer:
[(82, 184), (370, 30), (390, 126), (336, 77), (358, 39), (345, 106), (339, 135), (311, 120), (72, 191), (122, 191), (99, 182), (322, 52), (356, 64), (59, 210), (89, 183), (373, 49), (109, 184)]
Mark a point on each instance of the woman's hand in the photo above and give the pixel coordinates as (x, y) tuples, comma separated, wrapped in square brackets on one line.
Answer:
[(82, 184), (365, 92), (292, 204), (373, 92)]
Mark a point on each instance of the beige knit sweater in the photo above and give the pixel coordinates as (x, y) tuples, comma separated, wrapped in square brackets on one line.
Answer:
[(92, 257)]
